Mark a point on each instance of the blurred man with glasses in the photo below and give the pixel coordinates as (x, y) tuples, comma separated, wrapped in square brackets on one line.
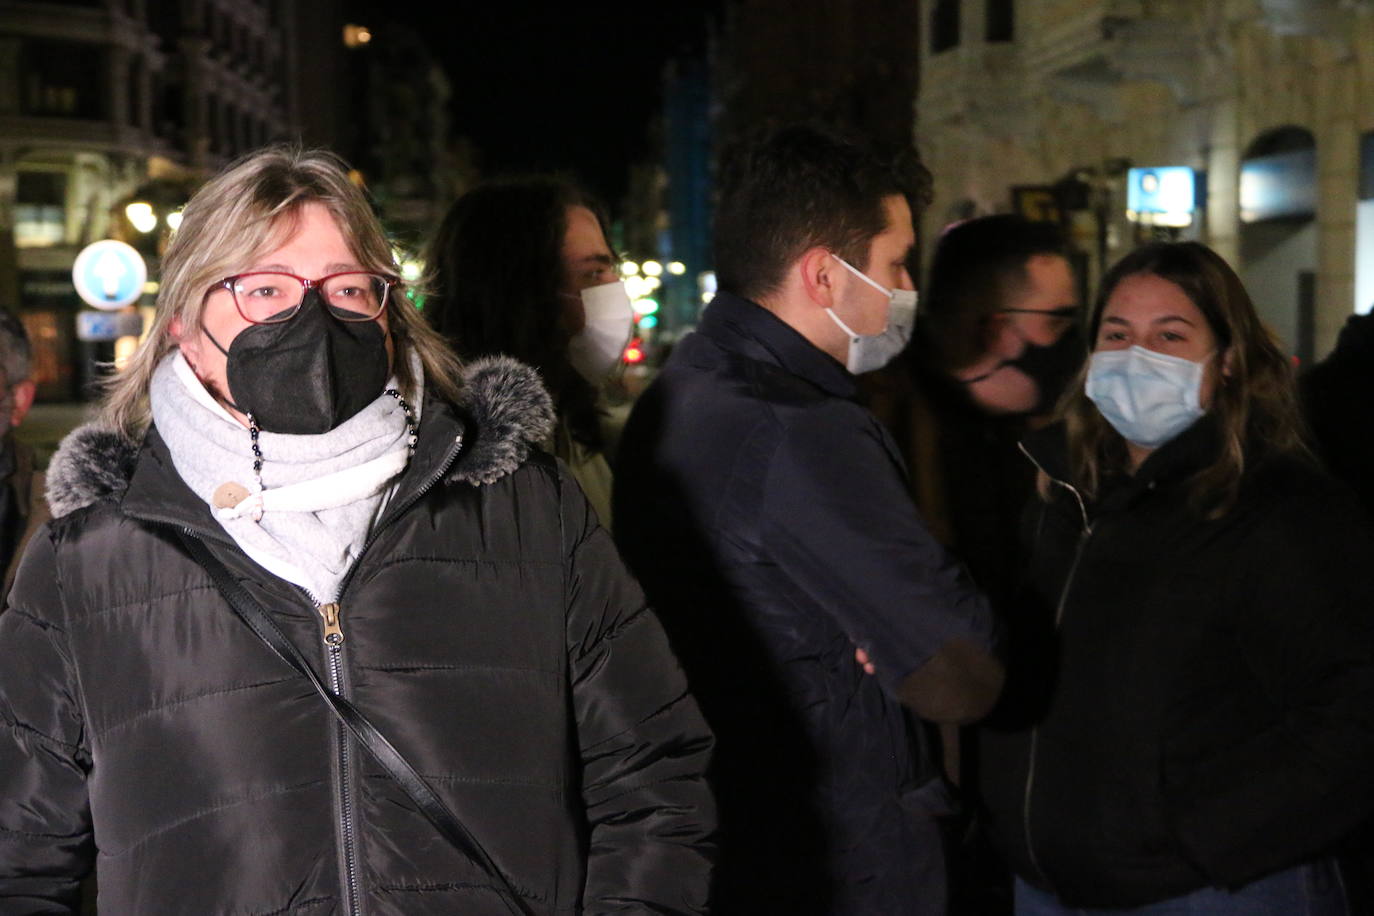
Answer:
[(997, 343)]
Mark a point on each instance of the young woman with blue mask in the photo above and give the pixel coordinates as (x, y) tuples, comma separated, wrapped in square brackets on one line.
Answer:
[(1189, 718)]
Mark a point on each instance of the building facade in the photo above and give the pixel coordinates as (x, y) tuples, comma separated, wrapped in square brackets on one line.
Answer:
[(1047, 106), (109, 102)]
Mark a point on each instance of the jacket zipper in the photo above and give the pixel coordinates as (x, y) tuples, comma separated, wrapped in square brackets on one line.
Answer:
[(1058, 619), (344, 754), (332, 631)]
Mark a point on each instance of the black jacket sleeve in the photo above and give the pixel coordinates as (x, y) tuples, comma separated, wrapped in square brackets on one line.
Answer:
[(841, 523), (45, 825), (1304, 626), (643, 743)]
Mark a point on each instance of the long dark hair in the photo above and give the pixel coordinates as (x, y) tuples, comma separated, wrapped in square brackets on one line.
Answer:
[(493, 275), (1255, 404)]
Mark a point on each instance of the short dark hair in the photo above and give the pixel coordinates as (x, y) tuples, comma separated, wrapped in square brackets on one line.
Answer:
[(798, 187), (976, 265), (493, 274)]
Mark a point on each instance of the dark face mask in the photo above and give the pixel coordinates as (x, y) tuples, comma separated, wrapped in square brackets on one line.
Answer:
[(1052, 367), (306, 375)]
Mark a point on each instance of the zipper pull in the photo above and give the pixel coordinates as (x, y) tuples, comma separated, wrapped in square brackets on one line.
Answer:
[(333, 633)]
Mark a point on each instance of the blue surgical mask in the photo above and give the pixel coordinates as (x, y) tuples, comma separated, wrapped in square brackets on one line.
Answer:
[(1147, 397), (868, 352)]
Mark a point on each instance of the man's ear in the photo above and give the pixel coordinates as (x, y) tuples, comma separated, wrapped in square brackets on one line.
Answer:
[(818, 276), (22, 393)]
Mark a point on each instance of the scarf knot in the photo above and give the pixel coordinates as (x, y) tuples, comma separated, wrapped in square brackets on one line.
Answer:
[(307, 515)]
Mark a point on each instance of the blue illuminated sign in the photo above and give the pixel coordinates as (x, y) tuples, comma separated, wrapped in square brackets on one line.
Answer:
[(1163, 196), (109, 274)]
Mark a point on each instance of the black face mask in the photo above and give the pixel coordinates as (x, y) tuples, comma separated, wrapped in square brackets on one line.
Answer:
[(306, 375), (1052, 367)]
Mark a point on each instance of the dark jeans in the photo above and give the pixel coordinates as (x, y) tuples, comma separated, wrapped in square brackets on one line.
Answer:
[(1306, 890)]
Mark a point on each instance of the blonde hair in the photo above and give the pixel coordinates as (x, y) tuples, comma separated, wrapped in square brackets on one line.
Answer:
[(237, 217), (1255, 403)]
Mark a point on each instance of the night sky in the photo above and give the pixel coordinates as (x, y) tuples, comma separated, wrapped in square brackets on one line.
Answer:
[(572, 86)]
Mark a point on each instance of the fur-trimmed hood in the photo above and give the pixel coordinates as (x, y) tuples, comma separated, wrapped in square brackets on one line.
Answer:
[(504, 406)]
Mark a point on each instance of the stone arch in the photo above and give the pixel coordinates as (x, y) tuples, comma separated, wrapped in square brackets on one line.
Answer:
[(1278, 233)]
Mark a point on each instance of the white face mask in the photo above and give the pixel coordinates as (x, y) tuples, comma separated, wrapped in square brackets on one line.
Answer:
[(596, 349), (1148, 397), (868, 352)]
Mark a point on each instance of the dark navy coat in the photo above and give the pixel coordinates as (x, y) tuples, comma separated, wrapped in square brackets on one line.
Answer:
[(767, 515)]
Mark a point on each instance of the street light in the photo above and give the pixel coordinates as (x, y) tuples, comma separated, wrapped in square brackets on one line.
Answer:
[(141, 215)]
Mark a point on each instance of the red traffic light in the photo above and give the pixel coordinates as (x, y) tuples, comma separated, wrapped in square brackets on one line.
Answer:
[(634, 352)]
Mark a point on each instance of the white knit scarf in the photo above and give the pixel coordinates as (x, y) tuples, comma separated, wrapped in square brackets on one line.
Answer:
[(320, 494)]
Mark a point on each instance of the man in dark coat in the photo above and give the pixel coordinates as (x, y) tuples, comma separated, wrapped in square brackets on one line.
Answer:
[(767, 513), (1338, 409), (1336, 403)]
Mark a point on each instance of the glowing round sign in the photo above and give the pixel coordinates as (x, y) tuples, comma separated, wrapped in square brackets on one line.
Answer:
[(109, 274)]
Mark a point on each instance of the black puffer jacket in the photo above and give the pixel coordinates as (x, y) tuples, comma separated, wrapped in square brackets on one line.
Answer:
[(490, 631), (1190, 702)]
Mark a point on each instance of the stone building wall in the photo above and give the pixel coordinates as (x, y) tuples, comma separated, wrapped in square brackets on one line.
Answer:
[(1088, 87)]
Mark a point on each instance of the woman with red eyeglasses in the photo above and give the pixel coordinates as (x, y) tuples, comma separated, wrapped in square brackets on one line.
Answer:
[(316, 630)]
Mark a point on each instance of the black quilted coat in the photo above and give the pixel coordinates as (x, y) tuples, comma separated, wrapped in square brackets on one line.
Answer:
[(490, 632)]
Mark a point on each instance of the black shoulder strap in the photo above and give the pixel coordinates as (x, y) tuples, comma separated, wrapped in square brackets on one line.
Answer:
[(382, 750)]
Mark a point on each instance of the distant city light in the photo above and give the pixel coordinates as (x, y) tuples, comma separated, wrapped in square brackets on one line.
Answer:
[(629, 269), (124, 349), (652, 269), (411, 270), (355, 36), (141, 215), (174, 220), (677, 268), (706, 297), (648, 321), (652, 282), (644, 306)]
